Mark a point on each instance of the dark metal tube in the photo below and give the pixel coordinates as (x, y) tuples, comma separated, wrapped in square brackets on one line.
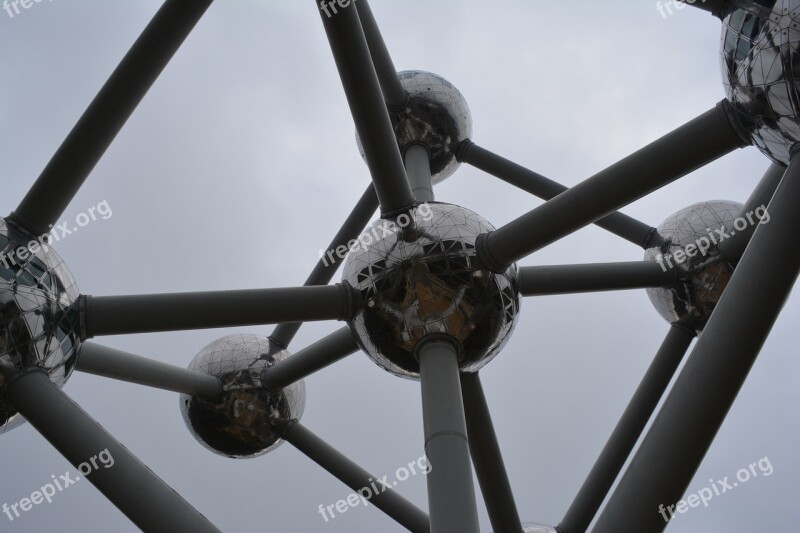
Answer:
[(393, 92), (418, 168), (386, 499), (695, 408), (487, 458), (593, 277), (149, 313), (628, 430), (103, 119), (322, 353), (132, 487), (116, 364), (451, 494), (700, 141)]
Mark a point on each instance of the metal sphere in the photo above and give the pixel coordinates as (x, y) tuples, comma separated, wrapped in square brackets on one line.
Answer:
[(422, 278), (530, 527), (759, 50), (39, 321), (436, 115), (244, 421), (703, 274)]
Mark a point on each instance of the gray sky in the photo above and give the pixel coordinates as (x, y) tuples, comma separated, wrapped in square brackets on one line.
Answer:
[(247, 132)]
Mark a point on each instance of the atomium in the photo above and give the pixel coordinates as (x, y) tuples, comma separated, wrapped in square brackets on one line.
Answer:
[(760, 47), (245, 420), (691, 244), (38, 318), (435, 115), (424, 280)]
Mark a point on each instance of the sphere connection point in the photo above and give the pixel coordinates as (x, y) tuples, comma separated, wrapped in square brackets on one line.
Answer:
[(39, 319), (530, 527), (436, 116), (759, 47), (691, 243), (424, 279), (245, 420)]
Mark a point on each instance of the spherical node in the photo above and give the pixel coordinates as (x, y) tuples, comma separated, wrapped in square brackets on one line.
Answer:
[(759, 50), (39, 321), (436, 116), (244, 421), (424, 279), (691, 238)]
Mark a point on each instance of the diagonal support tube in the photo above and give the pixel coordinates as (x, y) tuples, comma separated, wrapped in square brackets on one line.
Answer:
[(393, 92), (486, 457), (733, 247), (359, 480), (451, 494), (617, 223), (706, 388), (700, 141), (103, 119), (364, 96), (628, 430), (329, 262), (322, 353), (150, 313), (116, 364), (132, 487), (593, 277)]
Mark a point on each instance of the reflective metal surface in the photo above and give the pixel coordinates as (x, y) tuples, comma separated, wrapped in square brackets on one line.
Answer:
[(530, 527), (703, 275), (39, 322), (242, 423), (436, 116), (760, 46), (424, 279)]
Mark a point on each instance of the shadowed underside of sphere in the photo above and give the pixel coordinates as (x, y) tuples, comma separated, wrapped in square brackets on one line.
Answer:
[(692, 233), (243, 422), (760, 50), (39, 322), (425, 280), (436, 116)]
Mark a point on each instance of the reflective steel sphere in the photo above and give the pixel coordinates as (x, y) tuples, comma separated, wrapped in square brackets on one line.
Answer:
[(436, 116), (39, 323), (422, 278), (760, 47), (530, 527), (691, 236), (243, 421)]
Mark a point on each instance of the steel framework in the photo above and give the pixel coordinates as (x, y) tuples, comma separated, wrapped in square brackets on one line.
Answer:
[(458, 426)]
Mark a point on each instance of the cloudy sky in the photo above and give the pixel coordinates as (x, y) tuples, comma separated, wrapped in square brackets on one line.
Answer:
[(240, 164)]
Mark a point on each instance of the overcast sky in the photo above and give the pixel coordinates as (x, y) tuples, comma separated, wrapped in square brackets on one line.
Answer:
[(240, 164)]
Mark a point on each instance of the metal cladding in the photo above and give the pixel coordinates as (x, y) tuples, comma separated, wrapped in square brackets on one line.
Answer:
[(39, 321), (424, 279), (244, 421), (530, 527), (760, 45), (436, 116), (691, 245)]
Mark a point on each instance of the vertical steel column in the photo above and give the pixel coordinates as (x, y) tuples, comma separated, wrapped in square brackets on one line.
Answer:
[(451, 495), (418, 168), (707, 386)]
